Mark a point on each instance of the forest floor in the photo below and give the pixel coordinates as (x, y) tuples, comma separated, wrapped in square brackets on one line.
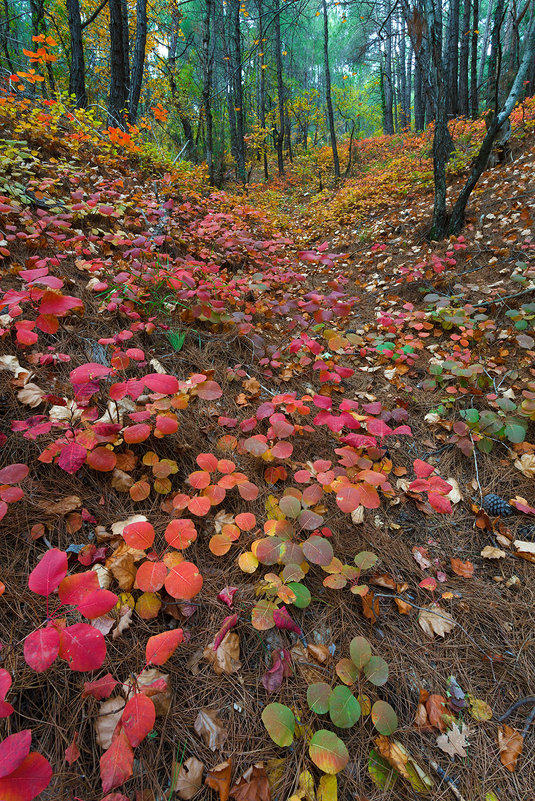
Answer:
[(345, 396)]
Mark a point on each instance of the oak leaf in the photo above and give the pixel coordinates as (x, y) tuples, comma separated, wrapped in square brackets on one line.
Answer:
[(454, 741), (435, 620)]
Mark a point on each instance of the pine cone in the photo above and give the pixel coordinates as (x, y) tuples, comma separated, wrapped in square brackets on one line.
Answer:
[(496, 506)]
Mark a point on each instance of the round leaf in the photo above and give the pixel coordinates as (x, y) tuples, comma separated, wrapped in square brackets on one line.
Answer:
[(344, 709), (346, 671), (366, 559), (384, 718), (328, 752), (360, 650), (302, 594), (318, 550), (318, 695), (376, 671), (279, 721)]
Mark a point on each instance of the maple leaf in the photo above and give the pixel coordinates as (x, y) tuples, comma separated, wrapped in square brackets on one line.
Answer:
[(454, 741)]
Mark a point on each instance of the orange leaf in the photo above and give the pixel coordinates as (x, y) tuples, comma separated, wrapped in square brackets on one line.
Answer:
[(510, 743), (219, 779), (464, 569), (436, 708)]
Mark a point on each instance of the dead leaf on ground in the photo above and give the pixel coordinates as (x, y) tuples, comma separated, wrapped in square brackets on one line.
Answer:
[(31, 395), (526, 465), (253, 785), (109, 715), (121, 481), (189, 780), (435, 620), (124, 621), (454, 741), (219, 779), (226, 659), (72, 752), (153, 684), (435, 707), (210, 728), (490, 552), (370, 606), (454, 495), (479, 709), (510, 743), (464, 569), (123, 570), (62, 507)]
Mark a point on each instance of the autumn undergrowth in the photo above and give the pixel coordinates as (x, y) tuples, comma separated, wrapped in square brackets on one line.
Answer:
[(247, 543)]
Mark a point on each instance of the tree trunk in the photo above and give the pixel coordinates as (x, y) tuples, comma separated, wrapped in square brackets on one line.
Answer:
[(77, 65), (419, 97), (126, 44), (474, 98), (403, 107), (118, 87), (409, 88), (485, 44), (453, 59), (328, 98), (207, 88), (463, 60), (238, 89), (5, 35), (138, 60), (498, 120), (388, 94), (495, 57), (262, 84), (278, 133)]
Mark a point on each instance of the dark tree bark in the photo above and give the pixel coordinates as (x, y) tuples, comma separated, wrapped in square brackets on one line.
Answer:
[(262, 98), (189, 148), (278, 133), (5, 34), (328, 97), (463, 60), (495, 56), (404, 107), (386, 73), (236, 63), (485, 44), (496, 124), (77, 65), (208, 62), (126, 44), (452, 58), (138, 60), (409, 87), (419, 97), (474, 95), (118, 79)]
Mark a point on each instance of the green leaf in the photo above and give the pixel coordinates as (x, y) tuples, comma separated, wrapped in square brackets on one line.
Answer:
[(376, 671), (318, 695), (361, 651), (328, 752), (176, 339), (384, 718), (366, 559), (381, 772), (302, 594), (279, 721), (515, 431), (344, 709)]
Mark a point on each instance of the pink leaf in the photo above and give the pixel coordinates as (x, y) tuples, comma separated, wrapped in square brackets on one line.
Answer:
[(227, 596), (13, 751), (117, 763), (82, 646), (72, 457), (72, 752), (46, 577), (161, 383), (138, 718), (97, 603), (31, 777), (284, 621), (422, 469), (228, 623), (88, 372), (100, 689), (439, 503), (41, 648), (13, 473)]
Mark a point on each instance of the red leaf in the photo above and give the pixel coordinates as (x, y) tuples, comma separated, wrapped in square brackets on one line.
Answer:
[(13, 473), (55, 303), (88, 372), (26, 782), (207, 461), (150, 576), (139, 534), (348, 498), (228, 623), (162, 646), (72, 752), (248, 491), (117, 763), (72, 457), (138, 718), (13, 751), (102, 459), (161, 382), (41, 648), (284, 621), (199, 506), (209, 390), (5, 683), (245, 521), (180, 533), (97, 603), (439, 503), (73, 589), (49, 572), (184, 581), (100, 689), (137, 433), (422, 469), (82, 646)]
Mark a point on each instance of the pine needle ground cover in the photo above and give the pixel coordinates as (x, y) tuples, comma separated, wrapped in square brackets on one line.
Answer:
[(266, 494)]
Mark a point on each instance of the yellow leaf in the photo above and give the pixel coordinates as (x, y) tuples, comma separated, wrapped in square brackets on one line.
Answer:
[(327, 789)]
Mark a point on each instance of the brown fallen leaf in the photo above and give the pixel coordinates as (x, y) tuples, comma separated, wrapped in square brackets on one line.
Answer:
[(370, 606), (226, 659), (510, 743), (454, 741), (403, 607), (121, 481), (123, 570), (420, 719), (490, 552), (31, 395), (189, 780), (210, 728), (464, 569), (62, 507), (435, 620), (253, 785), (219, 779), (318, 653), (109, 715)]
